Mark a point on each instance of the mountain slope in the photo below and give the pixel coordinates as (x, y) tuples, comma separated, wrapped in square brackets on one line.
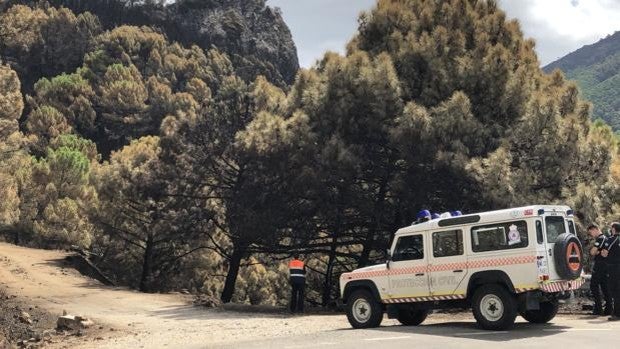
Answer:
[(596, 68)]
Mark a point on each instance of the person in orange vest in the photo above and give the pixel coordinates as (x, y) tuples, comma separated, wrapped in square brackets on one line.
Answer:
[(297, 278)]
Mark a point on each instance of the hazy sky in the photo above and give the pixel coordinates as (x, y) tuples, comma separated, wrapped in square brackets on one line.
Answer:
[(559, 26)]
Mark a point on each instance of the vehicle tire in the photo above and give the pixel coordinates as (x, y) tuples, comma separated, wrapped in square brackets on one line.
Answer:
[(494, 307), (363, 310), (568, 256), (410, 316), (546, 313)]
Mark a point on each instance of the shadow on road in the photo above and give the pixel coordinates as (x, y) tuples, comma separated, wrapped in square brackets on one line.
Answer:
[(191, 312), (470, 330)]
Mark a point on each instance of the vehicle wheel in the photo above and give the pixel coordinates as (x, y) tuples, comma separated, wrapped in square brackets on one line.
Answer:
[(410, 316), (363, 311), (546, 313), (494, 307)]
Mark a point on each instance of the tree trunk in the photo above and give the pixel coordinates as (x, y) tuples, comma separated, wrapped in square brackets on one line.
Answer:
[(231, 277), (147, 266), (372, 231), (368, 246), (327, 287)]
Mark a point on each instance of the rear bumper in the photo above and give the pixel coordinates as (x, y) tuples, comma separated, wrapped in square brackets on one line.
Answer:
[(561, 286)]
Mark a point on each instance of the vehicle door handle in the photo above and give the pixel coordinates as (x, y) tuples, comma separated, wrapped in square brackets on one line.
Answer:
[(419, 274), (458, 271)]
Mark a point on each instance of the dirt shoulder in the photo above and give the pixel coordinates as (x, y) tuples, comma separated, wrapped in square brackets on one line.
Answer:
[(131, 319)]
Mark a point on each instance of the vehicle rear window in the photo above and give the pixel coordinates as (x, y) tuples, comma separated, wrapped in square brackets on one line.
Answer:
[(499, 236), (448, 243), (571, 227), (555, 227), (409, 248)]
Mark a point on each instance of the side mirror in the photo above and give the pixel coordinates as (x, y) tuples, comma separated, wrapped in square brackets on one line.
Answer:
[(388, 258)]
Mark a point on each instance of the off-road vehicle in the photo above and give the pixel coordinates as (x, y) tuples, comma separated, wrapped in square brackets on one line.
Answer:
[(518, 261)]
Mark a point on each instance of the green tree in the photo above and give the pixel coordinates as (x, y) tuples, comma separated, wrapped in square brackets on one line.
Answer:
[(129, 83), (229, 163), (136, 213), (56, 194), (62, 104)]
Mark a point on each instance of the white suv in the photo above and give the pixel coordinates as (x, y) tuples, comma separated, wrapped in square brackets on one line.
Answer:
[(499, 263)]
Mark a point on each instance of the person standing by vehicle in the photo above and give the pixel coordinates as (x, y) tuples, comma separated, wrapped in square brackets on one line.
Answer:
[(297, 278), (599, 283), (611, 251)]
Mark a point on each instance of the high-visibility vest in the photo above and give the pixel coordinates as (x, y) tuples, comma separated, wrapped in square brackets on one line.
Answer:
[(296, 269)]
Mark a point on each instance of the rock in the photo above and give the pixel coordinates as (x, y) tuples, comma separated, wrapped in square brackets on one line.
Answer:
[(71, 322), (25, 318)]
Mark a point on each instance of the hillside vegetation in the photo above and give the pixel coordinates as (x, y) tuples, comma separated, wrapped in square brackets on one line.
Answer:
[(596, 69), (176, 170)]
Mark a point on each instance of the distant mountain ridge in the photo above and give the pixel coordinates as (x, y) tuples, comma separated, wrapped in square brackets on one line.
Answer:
[(596, 68)]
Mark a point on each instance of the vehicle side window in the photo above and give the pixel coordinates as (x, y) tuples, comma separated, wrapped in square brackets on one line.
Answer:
[(409, 248), (571, 227), (539, 232), (500, 236), (448, 243), (555, 227)]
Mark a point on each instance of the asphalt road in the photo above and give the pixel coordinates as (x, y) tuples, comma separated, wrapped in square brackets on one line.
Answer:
[(564, 332)]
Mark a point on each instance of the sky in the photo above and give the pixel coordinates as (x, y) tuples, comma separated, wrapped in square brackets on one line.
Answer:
[(322, 25)]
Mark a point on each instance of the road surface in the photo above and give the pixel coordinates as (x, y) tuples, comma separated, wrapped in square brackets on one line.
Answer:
[(565, 332)]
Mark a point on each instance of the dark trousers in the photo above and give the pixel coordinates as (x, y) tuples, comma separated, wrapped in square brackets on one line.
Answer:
[(599, 286), (614, 286), (297, 297)]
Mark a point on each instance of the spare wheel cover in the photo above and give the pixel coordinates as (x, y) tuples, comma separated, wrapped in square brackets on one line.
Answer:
[(568, 256)]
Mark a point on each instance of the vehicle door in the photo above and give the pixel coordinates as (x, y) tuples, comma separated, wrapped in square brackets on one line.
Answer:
[(408, 269), (555, 225), (447, 263), (542, 254)]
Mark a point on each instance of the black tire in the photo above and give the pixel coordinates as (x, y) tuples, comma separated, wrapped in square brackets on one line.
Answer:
[(494, 307), (568, 256), (547, 311), (410, 316), (363, 310)]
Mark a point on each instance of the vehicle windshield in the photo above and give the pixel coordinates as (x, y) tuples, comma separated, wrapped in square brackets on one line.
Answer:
[(555, 227)]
